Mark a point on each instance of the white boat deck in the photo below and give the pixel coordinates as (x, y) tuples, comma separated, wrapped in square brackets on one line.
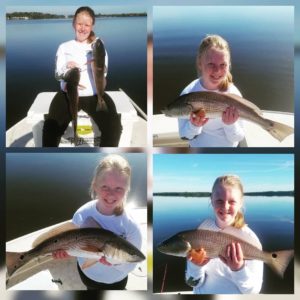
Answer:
[(28, 132), (47, 273), (165, 132)]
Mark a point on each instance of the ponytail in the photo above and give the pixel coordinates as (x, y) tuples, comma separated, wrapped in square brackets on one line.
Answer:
[(91, 37), (239, 220), (224, 85)]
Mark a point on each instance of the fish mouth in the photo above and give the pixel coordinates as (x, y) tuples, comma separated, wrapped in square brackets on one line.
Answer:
[(165, 112), (179, 111), (174, 246), (162, 248)]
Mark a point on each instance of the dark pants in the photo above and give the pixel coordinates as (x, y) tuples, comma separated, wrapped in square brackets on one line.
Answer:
[(94, 285), (59, 117)]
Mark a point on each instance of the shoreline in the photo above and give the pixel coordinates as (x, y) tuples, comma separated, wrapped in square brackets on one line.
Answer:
[(15, 16), (207, 194)]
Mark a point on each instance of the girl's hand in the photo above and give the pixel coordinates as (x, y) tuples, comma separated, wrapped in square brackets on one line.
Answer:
[(198, 118), (234, 257), (60, 254), (72, 64), (198, 257), (103, 261), (230, 115)]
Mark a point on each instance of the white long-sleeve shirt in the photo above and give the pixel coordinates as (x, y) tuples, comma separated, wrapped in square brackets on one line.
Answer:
[(124, 226), (217, 278), (214, 133), (81, 53)]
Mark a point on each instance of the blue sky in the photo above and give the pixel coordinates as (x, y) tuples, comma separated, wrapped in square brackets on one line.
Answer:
[(197, 172), (69, 7)]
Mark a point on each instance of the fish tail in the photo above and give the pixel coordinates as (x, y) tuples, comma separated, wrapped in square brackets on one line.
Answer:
[(278, 130), (15, 260), (72, 95), (101, 104), (279, 260), (75, 131)]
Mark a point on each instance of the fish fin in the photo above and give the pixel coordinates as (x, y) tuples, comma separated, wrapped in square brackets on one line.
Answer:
[(101, 104), (90, 222), (242, 235), (279, 130), (279, 260), (14, 260), (88, 263), (54, 231)]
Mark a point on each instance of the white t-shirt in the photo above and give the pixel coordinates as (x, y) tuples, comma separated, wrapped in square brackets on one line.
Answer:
[(81, 53), (124, 226), (214, 133), (217, 278)]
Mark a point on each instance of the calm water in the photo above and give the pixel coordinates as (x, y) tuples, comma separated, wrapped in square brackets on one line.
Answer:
[(271, 218), (31, 53), (262, 55), (45, 188)]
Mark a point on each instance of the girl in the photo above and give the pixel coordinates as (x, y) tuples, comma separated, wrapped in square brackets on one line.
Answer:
[(109, 188), (230, 274), (213, 64), (77, 54)]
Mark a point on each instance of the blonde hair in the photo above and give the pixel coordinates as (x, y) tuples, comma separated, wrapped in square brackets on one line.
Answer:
[(116, 163), (215, 41), (232, 181)]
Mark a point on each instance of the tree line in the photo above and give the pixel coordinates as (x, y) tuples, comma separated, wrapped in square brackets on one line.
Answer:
[(207, 194), (39, 15)]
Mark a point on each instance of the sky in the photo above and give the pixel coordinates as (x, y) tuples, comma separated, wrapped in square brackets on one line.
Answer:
[(69, 7), (197, 172)]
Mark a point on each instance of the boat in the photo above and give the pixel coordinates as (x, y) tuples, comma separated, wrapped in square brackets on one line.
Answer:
[(46, 273), (28, 131), (165, 132)]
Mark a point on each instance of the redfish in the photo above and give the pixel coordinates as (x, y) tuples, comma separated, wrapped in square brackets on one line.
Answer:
[(214, 104), (215, 244)]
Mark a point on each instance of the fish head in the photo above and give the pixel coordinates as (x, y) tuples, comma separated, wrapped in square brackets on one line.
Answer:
[(121, 251), (178, 108), (133, 254), (175, 246)]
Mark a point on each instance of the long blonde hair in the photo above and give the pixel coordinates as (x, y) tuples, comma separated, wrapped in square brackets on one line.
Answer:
[(117, 163), (217, 42), (232, 181)]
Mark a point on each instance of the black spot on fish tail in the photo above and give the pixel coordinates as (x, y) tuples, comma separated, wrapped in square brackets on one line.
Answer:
[(57, 281), (274, 255)]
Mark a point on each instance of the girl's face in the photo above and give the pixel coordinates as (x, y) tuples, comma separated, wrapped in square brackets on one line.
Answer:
[(214, 66), (83, 25), (111, 189), (226, 202)]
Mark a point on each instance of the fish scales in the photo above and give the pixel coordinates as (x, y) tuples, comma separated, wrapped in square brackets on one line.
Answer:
[(215, 243), (214, 104), (94, 240)]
